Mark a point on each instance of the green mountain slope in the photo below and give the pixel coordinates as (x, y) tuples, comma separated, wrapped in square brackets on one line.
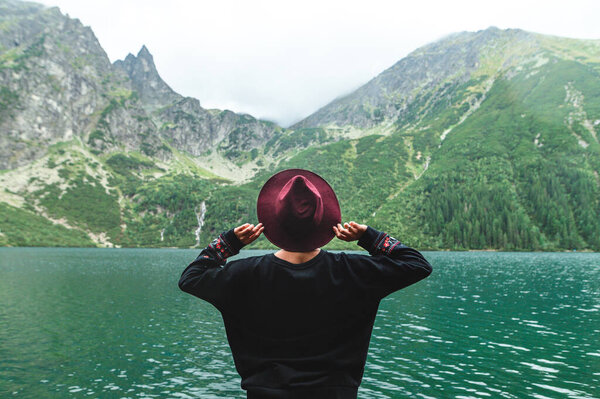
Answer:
[(508, 177), (484, 140), (508, 161)]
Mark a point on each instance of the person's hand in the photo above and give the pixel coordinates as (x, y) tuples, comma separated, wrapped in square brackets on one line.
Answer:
[(247, 233), (350, 231)]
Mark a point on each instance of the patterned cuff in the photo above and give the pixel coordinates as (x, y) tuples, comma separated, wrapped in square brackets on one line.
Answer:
[(377, 242), (226, 245), (386, 244)]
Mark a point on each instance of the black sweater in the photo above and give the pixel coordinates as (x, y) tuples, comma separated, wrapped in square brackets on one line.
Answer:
[(301, 330)]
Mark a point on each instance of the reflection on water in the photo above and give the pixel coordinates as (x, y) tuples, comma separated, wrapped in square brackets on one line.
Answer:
[(112, 323)]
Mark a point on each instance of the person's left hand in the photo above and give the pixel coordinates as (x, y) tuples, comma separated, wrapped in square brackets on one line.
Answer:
[(247, 233)]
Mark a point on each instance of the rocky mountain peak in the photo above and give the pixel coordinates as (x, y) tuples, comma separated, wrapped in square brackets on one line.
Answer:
[(152, 89), (144, 53)]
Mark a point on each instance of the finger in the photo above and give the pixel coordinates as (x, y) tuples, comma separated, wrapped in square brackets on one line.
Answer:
[(352, 228), (344, 234), (240, 228), (244, 235), (357, 225), (256, 228), (346, 229), (253, 236), (347, 236), (336, 231), (256, 235)]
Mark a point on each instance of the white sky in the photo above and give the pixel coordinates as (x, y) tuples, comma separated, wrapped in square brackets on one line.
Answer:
[(282, 60)]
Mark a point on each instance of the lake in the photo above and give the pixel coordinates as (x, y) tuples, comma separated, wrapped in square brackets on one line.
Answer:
[(112, 323)]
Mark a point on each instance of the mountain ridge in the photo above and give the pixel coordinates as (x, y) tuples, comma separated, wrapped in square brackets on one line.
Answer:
[(481, 140), (71, 82)]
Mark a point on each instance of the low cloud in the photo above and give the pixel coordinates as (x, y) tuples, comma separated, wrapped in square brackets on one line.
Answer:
[(281, 60)]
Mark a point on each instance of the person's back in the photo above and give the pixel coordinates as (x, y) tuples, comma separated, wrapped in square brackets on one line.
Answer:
[(302, 330)]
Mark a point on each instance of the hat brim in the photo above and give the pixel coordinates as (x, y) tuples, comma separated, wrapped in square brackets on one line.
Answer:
[(273, 230)]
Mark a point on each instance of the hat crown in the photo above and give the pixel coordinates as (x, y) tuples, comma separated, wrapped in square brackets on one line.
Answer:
[(299, 206), (298, 209)]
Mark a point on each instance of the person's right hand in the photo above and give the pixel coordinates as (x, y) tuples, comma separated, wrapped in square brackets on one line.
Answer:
[(350, 231)]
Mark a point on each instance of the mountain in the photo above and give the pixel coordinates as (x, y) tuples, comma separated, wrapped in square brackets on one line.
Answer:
[(59, 85), (499, 134), (180, 119), (481, 140)]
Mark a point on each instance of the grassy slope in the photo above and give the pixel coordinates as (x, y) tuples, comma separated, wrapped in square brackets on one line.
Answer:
[(22, 228), (491, 186)]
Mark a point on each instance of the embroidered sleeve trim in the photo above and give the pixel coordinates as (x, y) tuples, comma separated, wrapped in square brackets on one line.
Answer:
[(221, 248), (386, 244)]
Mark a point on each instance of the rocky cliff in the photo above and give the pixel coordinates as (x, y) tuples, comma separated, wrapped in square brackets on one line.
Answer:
[(57, 84), (152, 90), (53, 72)]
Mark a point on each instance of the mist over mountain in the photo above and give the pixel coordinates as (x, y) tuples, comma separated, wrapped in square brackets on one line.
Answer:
[(481, 140)]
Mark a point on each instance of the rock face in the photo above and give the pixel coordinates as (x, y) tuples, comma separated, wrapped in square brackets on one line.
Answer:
[(57, 84), (183, 122), (153, 91), (227, 131), (52, 76)]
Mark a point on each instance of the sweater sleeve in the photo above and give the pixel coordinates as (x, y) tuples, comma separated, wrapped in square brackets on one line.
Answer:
[(207, 277), (392, 265)]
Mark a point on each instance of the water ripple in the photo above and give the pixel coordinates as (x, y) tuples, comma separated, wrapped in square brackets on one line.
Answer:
[(496, 325)]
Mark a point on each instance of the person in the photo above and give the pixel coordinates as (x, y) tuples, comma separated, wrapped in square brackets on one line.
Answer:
[(299, 320)]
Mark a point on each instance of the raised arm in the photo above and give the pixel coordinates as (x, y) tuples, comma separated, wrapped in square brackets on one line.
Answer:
[(206, 277), (392, 265)]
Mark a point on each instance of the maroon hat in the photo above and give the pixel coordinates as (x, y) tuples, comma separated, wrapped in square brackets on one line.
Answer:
[(298, 210)]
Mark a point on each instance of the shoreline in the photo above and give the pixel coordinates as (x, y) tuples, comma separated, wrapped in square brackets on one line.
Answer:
[(327, 249)]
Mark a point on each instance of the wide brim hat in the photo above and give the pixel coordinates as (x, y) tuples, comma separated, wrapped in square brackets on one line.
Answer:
[(298, 210)]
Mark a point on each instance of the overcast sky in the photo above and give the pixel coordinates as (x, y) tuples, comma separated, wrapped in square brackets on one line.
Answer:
[(282, 60)]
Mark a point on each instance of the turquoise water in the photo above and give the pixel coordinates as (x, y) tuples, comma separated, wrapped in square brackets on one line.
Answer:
[(112, 323)]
